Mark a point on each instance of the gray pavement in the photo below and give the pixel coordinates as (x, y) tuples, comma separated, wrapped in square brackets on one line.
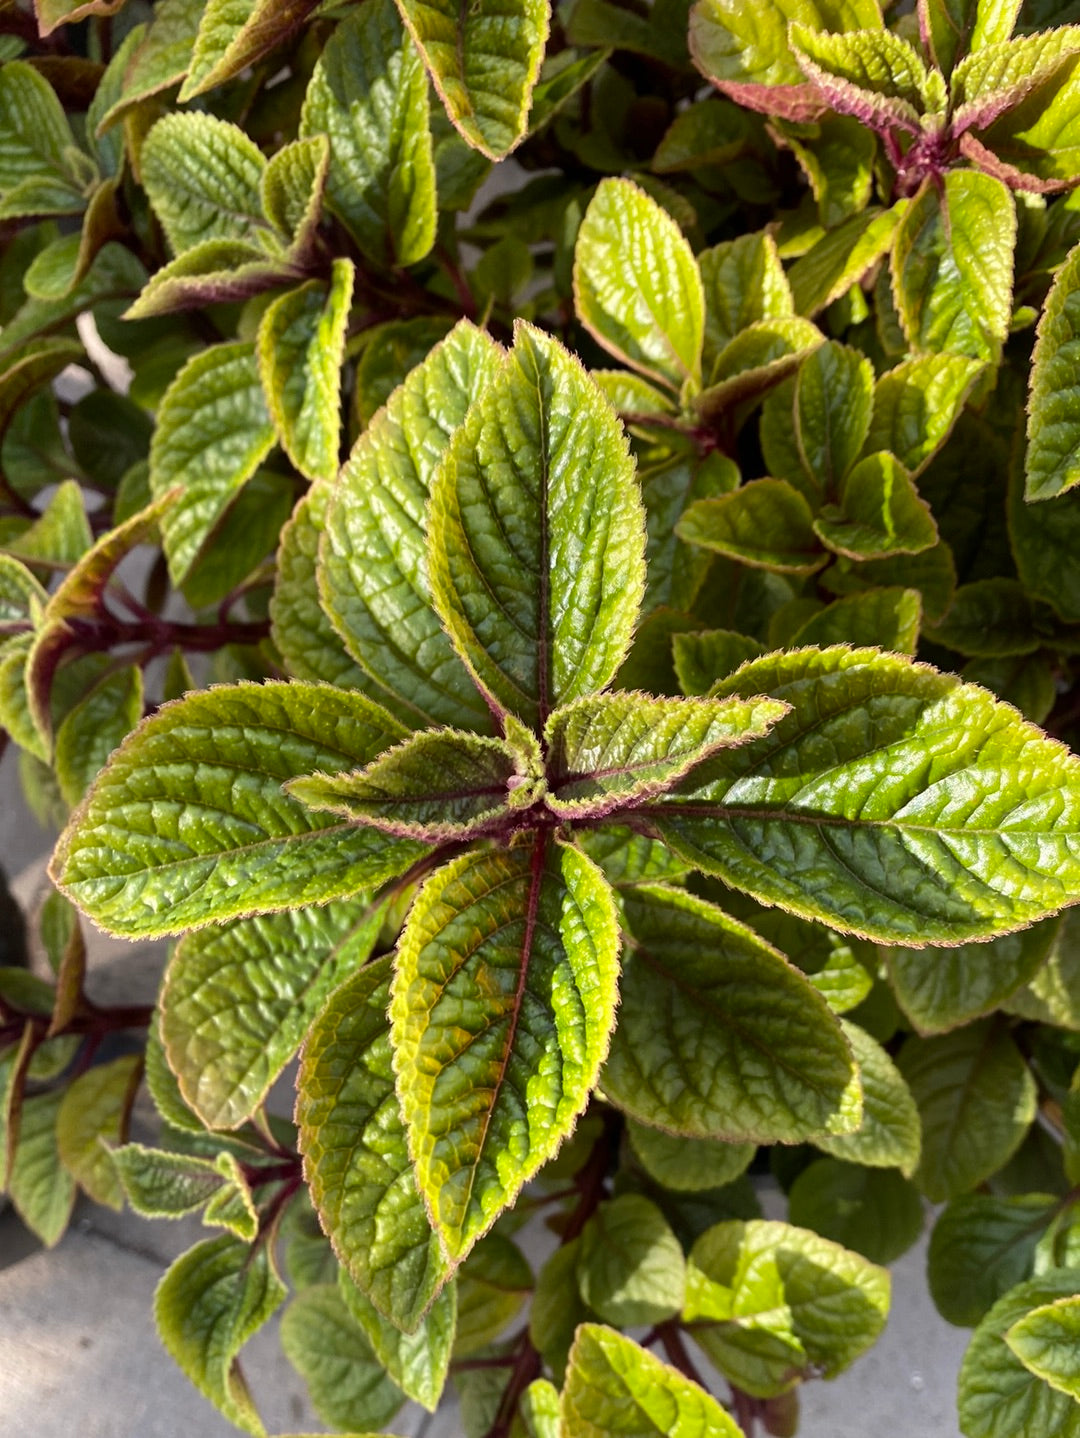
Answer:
[(81, 1358)]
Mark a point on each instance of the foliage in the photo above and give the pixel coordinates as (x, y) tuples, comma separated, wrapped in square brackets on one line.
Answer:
[(559, 643)]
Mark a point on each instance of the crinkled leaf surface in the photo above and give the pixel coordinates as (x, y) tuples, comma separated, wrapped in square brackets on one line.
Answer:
[(417, 1362), (239, 998), (369, 94), (916, 405), (1053, 451), (717, 1035), (637, 287), (874, 75), (348, 1385), (373, 563), (356, 1161), (879, 513), (160, 1184), (483, 62), (203, 177), (766, 524), (743, 282), (234, 34), (615, 1387), (841, 258), (630, 1267), (981, 1247), (609, 750), (892, 802), (189, 825), (890, 1134), (537, 533), (502, 1009)]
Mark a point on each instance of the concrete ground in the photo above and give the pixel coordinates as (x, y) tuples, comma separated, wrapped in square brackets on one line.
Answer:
[(81, 1358)]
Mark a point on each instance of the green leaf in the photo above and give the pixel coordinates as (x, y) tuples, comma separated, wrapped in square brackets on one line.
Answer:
[(710, 654), (490, 1089), (955, 27), (203, 177), (879, 513), (991, 618), (976, 1099), (210, 1302), (1026, 680), (771, 1303), (369, 94), (293, 184), (1053, 451), (952, 266), (998, 1397), (36, 143), (998, 77), (980, 1248), (237, 1000), (233, 34), (629, 858), (688, 1165), (537, 565), (766, 524), (707, 132), (675, 572), (940, 989), (348, 1385), (212, 272), (213, 432), (94, 728), (159, 1184), (876, 1212), (40, 1187), (492, 1284), (21, 596), (31, 368), (630, 1267), (300, 347), (837, 157), (94, 1112), (615, 1387), (916, 405), (637, 288), (832, 406), (718, 1036), (889, 618), (1045, 1342), (161, 57), (765, 353), (822, 817), (373, 560), (438, 785), (61, 535), (417, 1363), (874, 75), (842, 257), (890, 1134), (1035, 144), (188, 825), (355, 1157), (743, 282), (607, 751), (483, 62)]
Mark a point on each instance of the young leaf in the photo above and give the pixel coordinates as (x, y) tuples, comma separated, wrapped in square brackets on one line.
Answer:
[(293, 184), (998, 1396), (746, 54), (832, 404), (743, 282), (610, 750), (369, 94), (94, 1112), (942, 989), (615, 1387), (871, 74), (188, 824), (418, 1362), (981, 1247), (484, 63), (490, 1089), (890, 1134), (630, 1267), (998, 77), (841, 258), (212, 272), (203, 177), (766, 524), (951, 28), (94, 727), (878, 513), (438, 785), (850, 835), (40, 1187), (238, 999), (1052, 465), (537, 565), (231, 37), (373, 561), (355, 1157), (300, 349), (916, 405), (765, 353), (160, 1184), (688, 1165), (492, 1284), (213, 432), (976, 1099), (888, 618), (637, 288), (1045, 1342), (771, 1302), (717, 1035), (952, 266)]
